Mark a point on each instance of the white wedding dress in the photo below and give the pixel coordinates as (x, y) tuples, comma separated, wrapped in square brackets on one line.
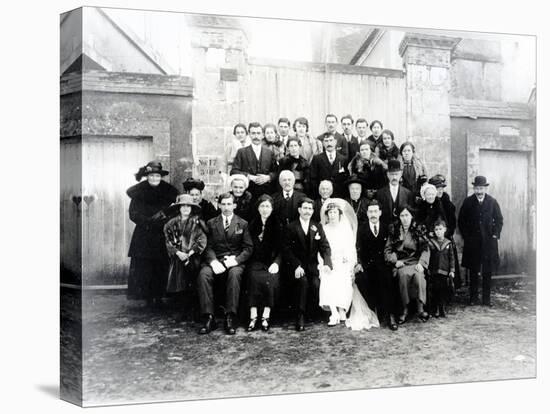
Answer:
[(337, 287)]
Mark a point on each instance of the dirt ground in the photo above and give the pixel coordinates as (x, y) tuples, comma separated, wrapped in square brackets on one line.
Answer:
[(133, 355)]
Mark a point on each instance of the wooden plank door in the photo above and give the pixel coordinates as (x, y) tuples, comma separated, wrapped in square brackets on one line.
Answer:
[(95, 229), (507, 173)]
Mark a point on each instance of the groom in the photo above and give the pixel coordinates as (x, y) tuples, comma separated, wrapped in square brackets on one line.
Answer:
[(304, 240)]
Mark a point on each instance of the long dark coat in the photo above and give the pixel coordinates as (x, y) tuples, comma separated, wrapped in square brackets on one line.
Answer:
[(372, 172), (245, 207), (480, 226), (427, 214), (389, 208), (148, 237)]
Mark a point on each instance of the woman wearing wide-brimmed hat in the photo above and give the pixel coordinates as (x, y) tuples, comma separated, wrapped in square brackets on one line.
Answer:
[(185, 242), (149, 260), (194, 188)]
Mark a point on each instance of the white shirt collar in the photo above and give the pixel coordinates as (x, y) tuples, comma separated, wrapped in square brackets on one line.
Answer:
[(225, 218), (304, 224), (289, 193), (482, 199), (372, 227)]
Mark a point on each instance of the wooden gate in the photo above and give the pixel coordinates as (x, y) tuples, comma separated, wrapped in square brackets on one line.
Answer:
[(508, 175), (100, 209)]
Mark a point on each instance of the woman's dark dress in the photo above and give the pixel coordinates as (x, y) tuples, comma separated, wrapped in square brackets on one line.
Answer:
[(148, 257), (262, 285)]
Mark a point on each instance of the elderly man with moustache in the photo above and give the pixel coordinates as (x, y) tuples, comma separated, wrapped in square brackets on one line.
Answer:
[(394, 195)]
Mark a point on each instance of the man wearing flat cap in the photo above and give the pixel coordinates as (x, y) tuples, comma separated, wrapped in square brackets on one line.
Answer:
[(480, 223), (194, 188)]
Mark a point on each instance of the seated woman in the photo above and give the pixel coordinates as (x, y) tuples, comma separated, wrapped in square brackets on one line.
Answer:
[(407, 252), (243, 198), (271, 140), (194, 188), (241, 140), (263, 267), (413, 167), (185, 242), (299, 166), (369, 169)]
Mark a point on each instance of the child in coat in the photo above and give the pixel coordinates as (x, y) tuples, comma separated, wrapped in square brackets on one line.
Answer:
[(441, 268)]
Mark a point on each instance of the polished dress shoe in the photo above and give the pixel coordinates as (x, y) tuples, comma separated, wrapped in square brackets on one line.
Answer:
[(252, 324), (392, 324), (300, 323), (423, 316), (265, 324), (209, 325), (229, 327)]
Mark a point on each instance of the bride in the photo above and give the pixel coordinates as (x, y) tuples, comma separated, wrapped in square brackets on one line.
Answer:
[(338, 292)]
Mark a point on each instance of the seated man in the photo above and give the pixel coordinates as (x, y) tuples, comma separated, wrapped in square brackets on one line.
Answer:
[(229, 247), (325, 192), (304, 241)]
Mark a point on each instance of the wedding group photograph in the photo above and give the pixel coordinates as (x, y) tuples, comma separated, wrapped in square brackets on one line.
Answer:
[(254, 206)]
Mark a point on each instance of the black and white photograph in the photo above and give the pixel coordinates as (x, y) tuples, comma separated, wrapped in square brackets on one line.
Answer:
[(240, 217), (274, 206)]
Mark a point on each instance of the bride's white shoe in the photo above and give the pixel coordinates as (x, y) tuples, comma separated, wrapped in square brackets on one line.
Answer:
[(342, 315), (333, 320)]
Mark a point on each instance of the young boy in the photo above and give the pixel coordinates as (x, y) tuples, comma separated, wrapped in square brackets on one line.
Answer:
[(441, 268)]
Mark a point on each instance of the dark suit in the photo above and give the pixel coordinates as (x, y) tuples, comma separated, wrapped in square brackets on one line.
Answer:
[(376, 283), (301, 250), (341, 144), (321, 169), (246, 163), (389, 207), (480, 225), (235, 241), (286, 210), (353, 146)]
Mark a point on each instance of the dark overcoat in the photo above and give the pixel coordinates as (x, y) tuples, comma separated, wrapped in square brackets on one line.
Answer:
[(146, 200), (389, 207), (480, 225), (284, 210)]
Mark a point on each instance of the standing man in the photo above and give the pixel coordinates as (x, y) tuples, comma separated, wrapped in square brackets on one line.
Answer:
[(374, 279), (229, 246), (394, 195), (362, 127), (331, 122), (351, 140), (285, 202), (480, 223), (283, 126), (304, 241), (257, 163), (329, 165)]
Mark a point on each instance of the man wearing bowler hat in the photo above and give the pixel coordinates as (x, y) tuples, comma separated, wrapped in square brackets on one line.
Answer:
[(393, 195), (480, 223)]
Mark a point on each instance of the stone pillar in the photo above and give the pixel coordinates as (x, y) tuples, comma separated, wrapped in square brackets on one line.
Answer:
[(219, 70), (427, 62)]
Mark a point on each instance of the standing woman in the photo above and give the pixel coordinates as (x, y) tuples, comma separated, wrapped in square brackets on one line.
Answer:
[(310, 146), (185, 241), (263, 267), (413, 168), (430, 209), (408, 254), (440, 183), (375, 138), (241, 140), (272, 141), (369, 168), (297, 164), (148, 257), (195, 188)]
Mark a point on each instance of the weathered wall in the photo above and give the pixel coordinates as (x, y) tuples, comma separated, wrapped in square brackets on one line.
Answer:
[(427, 60)]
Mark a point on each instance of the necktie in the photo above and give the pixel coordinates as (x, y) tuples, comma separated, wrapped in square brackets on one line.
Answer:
[(287, 196), (375, 230), (225, 223)]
